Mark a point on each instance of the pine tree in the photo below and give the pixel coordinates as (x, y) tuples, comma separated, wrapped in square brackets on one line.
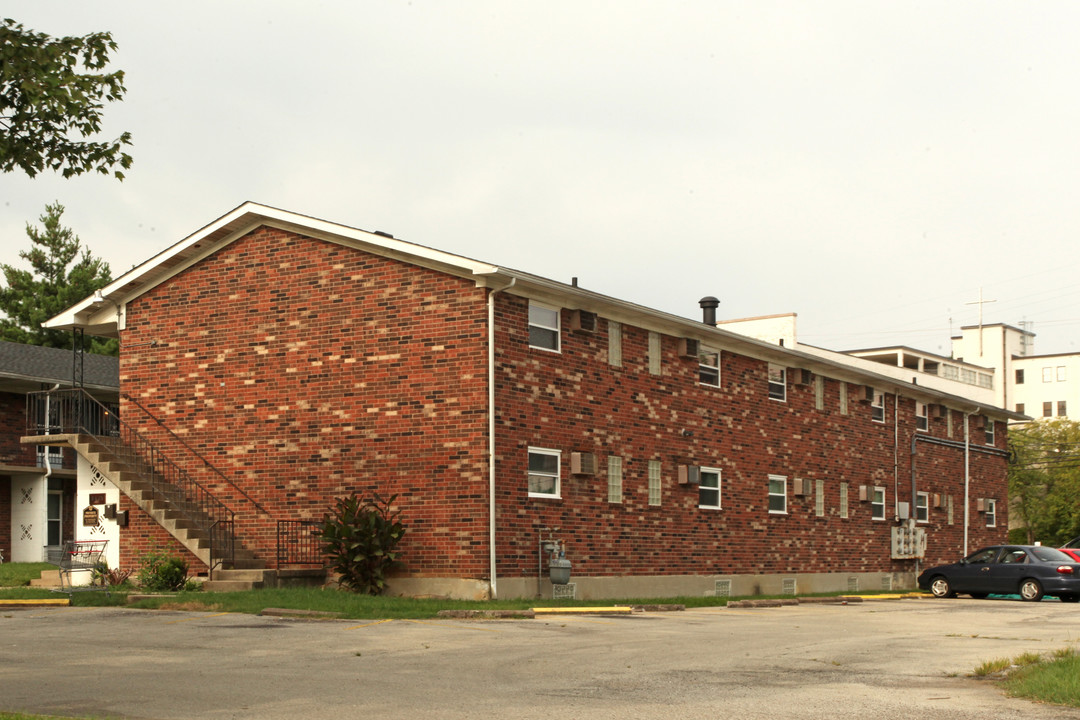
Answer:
[(62, 273)]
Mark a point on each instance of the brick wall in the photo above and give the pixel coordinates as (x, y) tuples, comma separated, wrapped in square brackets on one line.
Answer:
[(13, 427), (304, 371), (575, 401)]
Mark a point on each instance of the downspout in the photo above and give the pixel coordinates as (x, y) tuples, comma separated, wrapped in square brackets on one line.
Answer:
[(491, 432), (967, 475), (48, 431), (896, 459)]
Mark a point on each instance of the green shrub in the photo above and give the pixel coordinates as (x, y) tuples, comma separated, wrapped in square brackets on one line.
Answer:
[(162, 571), (360, 537)]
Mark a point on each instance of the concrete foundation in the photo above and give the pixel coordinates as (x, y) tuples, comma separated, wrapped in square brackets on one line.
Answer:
[(658, 586)]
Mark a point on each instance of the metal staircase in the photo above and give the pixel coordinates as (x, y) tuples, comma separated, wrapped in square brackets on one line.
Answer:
[(160, 487)]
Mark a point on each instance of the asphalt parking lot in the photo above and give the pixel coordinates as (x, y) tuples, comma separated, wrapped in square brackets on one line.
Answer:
[(881, 659)]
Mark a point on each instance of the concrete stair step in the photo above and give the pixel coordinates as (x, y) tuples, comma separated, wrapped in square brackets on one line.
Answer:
[(48, 579)]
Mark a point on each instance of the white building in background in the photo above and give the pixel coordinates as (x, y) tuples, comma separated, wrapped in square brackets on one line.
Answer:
[(993, 364)]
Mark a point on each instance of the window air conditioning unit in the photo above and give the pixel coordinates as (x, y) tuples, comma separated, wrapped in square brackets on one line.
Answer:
[(978, 422), (980, 505), (939, 500), (864, 493), (583, 321), (867, 394), (582, 463), (940, 411), (800, 376), (802, 486), (689, 475), (689, 348)]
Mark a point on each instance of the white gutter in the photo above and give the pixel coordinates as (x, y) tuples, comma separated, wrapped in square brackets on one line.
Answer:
[(491, 432)]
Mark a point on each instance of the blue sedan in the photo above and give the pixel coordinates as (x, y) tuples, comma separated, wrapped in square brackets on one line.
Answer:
[(1028, 570)]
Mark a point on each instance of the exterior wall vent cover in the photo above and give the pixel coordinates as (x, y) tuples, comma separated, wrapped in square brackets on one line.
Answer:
[(791, 586), (853, 583), (564, 592), (886, 582), (723, 588)]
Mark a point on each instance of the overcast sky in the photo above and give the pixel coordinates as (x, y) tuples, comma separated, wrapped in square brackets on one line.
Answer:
[(867, 165)]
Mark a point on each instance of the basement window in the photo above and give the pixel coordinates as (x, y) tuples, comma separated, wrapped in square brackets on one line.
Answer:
[(543, 327), (544, 472)]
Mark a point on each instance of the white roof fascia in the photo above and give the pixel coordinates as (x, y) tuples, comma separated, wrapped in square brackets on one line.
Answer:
[(101, 310)]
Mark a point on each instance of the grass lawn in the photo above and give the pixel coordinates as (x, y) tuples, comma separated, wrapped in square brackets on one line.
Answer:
[(1055, 679), (18, 574)]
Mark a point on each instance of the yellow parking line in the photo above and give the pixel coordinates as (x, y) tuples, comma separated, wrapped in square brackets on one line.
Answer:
[(200, 617)]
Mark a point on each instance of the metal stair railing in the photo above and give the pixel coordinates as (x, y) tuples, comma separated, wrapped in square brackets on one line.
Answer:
[(195, 453), (74, 411)]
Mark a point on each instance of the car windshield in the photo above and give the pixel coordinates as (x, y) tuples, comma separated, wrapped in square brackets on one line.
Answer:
[(1051, 555)]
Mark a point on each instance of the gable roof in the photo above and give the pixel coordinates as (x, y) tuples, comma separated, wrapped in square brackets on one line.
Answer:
[(103, 313), (29, 365)]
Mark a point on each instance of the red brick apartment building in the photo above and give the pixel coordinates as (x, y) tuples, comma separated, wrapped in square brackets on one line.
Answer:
[(290, 361)]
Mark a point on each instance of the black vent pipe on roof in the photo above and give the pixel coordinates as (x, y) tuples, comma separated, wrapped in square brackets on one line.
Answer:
[(708, 309)]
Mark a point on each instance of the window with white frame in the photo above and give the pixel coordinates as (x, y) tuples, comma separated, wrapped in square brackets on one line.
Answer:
[(777, 494), (988, 430), (709, 367), (991, 512), (544, 472), (1061, 410), (843, 509), (543, 327), (654, 482), (709, 490), (877, 504), (877, 407), (922, 418), (614, 479), (922, 507), (777, 382)]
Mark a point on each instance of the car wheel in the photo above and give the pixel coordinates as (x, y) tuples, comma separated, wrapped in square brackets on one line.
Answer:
[(978, 596), (1069, 597), (940, 587), (1031, 590)]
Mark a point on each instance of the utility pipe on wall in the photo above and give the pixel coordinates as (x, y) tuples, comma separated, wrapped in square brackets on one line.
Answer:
[(491, 432)]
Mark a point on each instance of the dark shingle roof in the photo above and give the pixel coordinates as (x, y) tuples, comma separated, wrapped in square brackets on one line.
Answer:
[(53, 365)]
